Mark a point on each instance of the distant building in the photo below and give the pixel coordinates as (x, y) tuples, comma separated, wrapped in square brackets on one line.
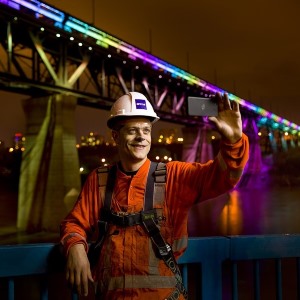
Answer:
[(18, 142), (91, 140)]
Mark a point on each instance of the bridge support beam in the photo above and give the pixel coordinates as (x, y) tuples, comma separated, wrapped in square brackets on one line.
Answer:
[(49, 177), (196, 145), (253, 170), (273, 142)]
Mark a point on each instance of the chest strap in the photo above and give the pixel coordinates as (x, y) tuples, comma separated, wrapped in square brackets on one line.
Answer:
[(126, 220)]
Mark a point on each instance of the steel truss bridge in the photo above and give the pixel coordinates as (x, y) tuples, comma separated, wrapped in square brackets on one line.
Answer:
[(46, 51)]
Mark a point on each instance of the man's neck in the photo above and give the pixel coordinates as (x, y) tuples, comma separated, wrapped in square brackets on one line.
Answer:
[(128, 173), (131, 167)]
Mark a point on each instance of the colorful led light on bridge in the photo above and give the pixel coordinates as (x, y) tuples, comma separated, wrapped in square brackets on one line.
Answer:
[(69, 23)]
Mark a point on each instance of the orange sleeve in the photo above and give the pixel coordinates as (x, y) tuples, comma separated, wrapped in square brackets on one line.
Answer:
[(236, 155), (193, 182), (81, 222)]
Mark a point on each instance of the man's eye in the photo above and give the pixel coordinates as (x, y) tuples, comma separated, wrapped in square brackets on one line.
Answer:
[(146, 131), (131, 131)]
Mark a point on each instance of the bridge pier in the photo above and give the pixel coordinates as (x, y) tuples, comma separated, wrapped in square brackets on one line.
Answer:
[(49, 177), (273, 140), (253, 171), (196, 146)]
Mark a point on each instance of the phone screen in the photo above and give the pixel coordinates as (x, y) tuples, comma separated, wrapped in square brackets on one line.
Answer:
[(198, 106)]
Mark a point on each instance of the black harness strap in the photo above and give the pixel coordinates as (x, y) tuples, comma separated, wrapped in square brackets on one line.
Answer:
[(112, 173), (148, 200), (148, 218)]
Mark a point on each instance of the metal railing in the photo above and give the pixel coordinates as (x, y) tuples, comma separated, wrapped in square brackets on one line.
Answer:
[(214, 268)]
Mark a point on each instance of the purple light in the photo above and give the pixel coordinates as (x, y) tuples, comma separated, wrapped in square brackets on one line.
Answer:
[(105, 40), (11, 4)]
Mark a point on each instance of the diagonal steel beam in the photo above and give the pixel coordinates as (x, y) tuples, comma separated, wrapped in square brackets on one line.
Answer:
[(78, 72), (39, 48)]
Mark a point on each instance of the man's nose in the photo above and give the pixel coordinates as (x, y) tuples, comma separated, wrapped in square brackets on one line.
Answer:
[(139, 138), (139, 135)]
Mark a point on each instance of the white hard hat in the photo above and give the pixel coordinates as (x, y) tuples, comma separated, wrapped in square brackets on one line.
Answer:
[(132, 104)]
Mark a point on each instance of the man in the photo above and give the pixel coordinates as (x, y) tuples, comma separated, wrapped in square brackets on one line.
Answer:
[(128, 266)]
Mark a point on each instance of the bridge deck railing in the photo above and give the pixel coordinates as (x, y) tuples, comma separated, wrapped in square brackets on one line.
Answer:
[(235, 267)]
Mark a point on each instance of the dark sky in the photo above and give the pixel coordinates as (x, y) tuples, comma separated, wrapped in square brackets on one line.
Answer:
[(250, 48)]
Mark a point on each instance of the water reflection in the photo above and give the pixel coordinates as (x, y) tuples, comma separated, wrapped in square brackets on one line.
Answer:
[(231, 218), (259, 210)]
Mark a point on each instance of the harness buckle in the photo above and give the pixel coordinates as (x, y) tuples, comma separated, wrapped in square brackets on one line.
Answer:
[(149, 215), (164, 251)]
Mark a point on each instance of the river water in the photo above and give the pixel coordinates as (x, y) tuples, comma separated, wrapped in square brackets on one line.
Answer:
[(259, 208)]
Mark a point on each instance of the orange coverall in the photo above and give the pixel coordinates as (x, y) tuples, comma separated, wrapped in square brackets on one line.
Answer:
[(128, 267)]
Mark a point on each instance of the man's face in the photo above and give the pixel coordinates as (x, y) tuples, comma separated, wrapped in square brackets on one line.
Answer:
[(133, 139)]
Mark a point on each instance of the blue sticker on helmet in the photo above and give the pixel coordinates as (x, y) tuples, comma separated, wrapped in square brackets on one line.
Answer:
[(140, 104)]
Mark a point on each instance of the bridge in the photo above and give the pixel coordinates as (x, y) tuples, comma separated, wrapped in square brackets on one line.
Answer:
[(60, 61)]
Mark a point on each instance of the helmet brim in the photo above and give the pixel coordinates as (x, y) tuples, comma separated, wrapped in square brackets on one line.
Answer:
[(112, 122)]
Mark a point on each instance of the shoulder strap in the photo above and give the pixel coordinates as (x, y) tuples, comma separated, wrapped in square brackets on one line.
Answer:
[(159, 185), (110, 186), (149, 193), (102, 173), (106, 181)]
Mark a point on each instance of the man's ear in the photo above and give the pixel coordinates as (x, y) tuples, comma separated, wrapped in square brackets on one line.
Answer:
[(115, 136)]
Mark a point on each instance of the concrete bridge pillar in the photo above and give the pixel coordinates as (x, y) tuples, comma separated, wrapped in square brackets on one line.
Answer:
[(292, 142), (254, 167), (197, 146), (297, 140), (49, 177), (284, 142), (273, 142)]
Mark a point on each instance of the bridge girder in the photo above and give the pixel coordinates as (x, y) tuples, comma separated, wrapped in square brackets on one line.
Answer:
[(37, 60)]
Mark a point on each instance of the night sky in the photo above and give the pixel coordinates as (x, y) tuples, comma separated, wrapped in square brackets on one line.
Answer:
[(249, 48)]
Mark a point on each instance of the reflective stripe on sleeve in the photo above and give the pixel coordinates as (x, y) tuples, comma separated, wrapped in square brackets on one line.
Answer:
[(180, 244), (234, 174), (71, 235)]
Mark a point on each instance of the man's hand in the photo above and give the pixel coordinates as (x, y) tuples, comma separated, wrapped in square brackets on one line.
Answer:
[(78, 272), (228, 121)]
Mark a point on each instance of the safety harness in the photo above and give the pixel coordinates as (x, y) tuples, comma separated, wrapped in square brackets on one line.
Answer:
[(148, 218)]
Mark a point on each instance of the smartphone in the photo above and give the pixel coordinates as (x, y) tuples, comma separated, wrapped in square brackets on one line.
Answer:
[(198, 106)]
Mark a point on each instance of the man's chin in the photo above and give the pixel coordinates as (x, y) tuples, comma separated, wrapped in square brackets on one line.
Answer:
[(138, 158), (139, 154)]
